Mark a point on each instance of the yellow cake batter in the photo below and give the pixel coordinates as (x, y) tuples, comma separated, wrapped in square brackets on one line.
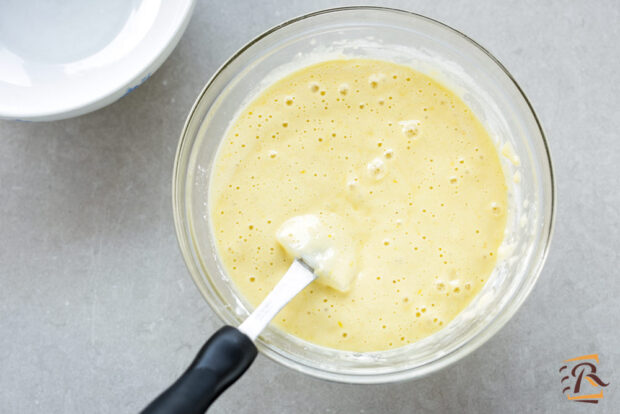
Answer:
[(397, 165)]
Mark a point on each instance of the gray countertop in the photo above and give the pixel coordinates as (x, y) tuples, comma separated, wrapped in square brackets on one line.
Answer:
[(98, 312)]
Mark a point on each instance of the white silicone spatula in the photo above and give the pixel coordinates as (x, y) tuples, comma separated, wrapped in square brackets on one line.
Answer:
[(321, 251), (296, 278)]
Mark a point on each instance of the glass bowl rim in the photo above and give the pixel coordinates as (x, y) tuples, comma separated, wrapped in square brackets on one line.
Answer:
[(464, 349)]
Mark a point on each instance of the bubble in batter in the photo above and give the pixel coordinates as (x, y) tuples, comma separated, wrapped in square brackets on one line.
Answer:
[(376, 169), (410, 128)]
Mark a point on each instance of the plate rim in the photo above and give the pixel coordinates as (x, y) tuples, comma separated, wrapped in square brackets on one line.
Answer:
[(125, 84)]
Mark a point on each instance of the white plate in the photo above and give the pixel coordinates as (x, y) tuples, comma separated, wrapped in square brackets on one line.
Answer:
[(63, 58)]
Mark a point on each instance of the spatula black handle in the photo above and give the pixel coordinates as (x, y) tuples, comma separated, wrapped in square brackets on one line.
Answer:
[(220, 362)]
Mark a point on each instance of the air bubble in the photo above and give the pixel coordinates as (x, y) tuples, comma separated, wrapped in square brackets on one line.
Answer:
[(496, 208), (410, 128), (374, 79), (343, 89), (314, 87), (376, 169)]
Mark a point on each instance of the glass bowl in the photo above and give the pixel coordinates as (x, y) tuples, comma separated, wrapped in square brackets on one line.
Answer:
[(430, 47)]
